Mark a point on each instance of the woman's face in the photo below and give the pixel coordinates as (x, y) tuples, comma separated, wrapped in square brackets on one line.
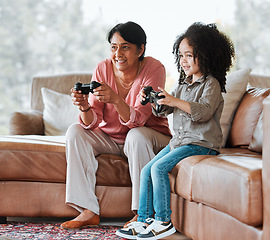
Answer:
[(187, 61), (125, 56)]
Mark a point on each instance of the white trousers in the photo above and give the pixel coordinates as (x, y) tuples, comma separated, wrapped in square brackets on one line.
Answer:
[(82, 145)]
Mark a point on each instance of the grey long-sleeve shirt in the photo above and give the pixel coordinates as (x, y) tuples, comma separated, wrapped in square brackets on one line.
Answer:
[(202, 126)]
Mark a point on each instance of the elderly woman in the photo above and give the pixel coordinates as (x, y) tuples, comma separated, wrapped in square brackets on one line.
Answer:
[(112, 120)]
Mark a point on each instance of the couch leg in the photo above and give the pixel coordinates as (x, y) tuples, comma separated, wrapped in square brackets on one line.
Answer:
[(3, 220)]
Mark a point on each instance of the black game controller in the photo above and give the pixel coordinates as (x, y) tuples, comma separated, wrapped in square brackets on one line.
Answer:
[(152, 97), (86, 88)]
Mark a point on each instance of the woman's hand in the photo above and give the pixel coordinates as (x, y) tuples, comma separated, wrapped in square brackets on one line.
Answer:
[(79, 99), (142, 94), (105, 94)]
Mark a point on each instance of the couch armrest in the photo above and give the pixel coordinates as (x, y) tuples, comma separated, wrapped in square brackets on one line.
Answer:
[(26, 123), (266, 168)]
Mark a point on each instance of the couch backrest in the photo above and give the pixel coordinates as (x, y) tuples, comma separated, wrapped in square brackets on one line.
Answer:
[(261, 81), (243, 125), (248, 111), (60, 83)]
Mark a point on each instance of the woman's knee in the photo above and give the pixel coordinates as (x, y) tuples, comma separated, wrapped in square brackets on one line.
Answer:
[(73, 131), (135, 133), (138, 135)]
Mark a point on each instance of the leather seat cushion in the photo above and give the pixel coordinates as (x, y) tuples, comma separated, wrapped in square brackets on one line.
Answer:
[(182, 174), (232, 183), (42, 159), (229, 182)]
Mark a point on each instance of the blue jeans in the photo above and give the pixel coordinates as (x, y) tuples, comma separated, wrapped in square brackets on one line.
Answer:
[(154, 181)]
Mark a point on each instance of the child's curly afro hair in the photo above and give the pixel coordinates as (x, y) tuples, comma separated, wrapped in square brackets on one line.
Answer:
[(214, 50)]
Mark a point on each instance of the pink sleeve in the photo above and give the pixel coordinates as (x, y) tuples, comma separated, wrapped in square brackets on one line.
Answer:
[(92, 125)]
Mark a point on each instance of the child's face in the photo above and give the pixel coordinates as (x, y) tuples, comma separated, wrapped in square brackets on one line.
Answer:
[(187, 62)]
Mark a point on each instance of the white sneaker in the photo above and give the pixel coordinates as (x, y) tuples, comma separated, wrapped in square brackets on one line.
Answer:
[(131, 230), (157, 230)]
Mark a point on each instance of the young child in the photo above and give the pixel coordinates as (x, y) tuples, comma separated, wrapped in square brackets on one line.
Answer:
[(203, 56)]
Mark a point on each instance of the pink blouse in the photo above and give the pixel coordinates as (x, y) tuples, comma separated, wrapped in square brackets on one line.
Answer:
[(108, 119)]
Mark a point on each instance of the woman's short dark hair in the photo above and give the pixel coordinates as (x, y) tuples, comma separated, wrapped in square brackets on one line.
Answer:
[(130, 32), (214, 50)]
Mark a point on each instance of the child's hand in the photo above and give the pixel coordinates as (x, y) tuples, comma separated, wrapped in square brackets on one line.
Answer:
[(172, 101), (169, 100)]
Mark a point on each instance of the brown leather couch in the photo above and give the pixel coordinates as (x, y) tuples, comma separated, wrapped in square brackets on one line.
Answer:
[(213, 197)]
